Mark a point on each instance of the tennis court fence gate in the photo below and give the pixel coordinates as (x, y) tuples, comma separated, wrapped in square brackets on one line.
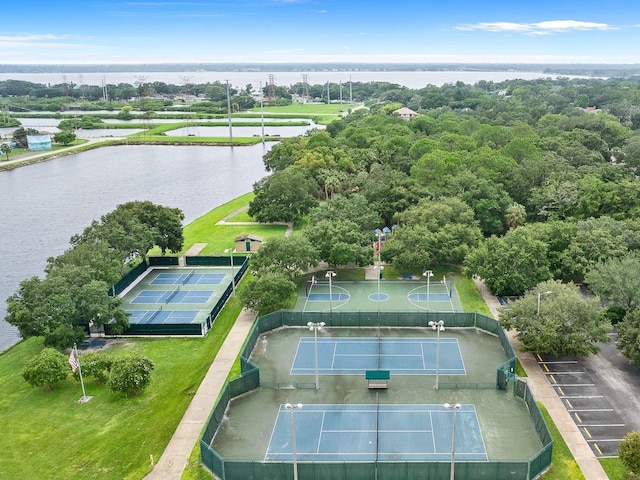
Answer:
[(243, 469)]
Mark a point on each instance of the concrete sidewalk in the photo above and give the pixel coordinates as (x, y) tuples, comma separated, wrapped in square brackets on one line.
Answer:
[(546, 394), (175, 457)]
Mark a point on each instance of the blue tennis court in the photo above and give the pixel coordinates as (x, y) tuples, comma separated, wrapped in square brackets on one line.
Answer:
[(162, 316), (190, 278), (433, 297), (355, 355), (324, 297), (366, 433), (173, 296)]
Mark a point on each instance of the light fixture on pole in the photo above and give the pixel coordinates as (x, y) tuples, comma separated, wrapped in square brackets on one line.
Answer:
[(455, 408), (330, 274), (315, 326), (379, 269), (231, 251), (293, 408), (539, 295), (428, 274), (438, 327)]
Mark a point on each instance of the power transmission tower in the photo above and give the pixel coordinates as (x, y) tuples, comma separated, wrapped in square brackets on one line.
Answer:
[(271, 96), (105, 92), (186, 92), (305, 87)]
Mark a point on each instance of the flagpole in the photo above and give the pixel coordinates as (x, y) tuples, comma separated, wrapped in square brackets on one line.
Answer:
[(84, 398)]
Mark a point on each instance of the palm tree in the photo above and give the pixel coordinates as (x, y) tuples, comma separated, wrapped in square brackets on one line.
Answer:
[(515, 215)]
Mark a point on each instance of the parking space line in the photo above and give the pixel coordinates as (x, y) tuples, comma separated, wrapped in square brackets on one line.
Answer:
[(569, 403), (604, 425), (588, 433), (577, 417), (590, 409), (617, 440), (539, 357), (597, 448), (565, 373), (579, 396), (575, 384), (545, 367), (553, 378), (559, 362)]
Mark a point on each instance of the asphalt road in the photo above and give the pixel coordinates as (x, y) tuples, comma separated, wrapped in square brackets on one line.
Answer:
[(601, 393)]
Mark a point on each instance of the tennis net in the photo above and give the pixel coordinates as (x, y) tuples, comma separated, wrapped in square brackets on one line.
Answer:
[(172, 294), (154, 314), (184, 282)]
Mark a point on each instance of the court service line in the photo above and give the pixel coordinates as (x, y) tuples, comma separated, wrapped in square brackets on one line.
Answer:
[(424, 365), (324, 414)]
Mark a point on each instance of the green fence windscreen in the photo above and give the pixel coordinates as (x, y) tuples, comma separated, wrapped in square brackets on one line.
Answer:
[(238, 469)]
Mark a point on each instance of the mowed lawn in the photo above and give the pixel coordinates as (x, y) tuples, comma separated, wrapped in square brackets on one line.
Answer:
[(48, 435)]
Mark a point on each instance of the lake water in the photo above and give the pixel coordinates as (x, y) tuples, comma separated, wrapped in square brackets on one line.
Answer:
[(43, 205)]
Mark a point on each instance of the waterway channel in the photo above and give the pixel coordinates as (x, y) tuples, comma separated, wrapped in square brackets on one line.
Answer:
[(44, 204)]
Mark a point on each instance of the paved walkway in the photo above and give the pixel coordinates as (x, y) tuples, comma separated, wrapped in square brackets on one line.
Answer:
[(546, 394), (193, 251), (175, 457), (17, 160)]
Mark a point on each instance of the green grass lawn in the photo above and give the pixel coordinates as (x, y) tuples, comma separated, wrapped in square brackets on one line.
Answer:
[(309, 108), (615, 469), (564, 465), (47, 435)]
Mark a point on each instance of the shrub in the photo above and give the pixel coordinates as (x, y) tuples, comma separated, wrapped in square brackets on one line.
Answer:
[(46, 369), (629, 451), (130, 374)]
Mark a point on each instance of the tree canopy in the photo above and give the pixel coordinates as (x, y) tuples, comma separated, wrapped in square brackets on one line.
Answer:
[(555, 318)]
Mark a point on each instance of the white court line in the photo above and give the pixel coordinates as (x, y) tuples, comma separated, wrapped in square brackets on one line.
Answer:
[(324, 414)]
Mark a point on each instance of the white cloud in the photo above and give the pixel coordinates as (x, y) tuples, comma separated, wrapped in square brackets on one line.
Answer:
[(538, 28), (35, 40)]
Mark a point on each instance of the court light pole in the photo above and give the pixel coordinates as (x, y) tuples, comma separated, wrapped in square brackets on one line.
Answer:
[(454, 408), (438, 327), (231, 251), (379, 269), (330, 274), (428, 274), (540, 295), (315, 326), (293, 408)]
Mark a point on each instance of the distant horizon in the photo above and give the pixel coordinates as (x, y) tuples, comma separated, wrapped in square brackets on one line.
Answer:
[(127, 32)]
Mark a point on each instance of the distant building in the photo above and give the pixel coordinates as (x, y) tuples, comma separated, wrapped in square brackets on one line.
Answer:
[(405, 113), (248, 243), (39, 142)]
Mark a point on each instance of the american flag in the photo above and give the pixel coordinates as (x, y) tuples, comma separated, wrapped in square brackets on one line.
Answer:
[(73, 361)]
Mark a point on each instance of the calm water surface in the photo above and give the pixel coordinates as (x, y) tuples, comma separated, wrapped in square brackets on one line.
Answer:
[(43, 205)]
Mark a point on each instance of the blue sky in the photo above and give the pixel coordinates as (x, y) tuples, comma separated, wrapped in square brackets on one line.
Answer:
[(205, 31)]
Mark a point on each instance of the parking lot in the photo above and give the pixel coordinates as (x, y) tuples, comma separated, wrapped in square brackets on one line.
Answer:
[(600, 392)]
